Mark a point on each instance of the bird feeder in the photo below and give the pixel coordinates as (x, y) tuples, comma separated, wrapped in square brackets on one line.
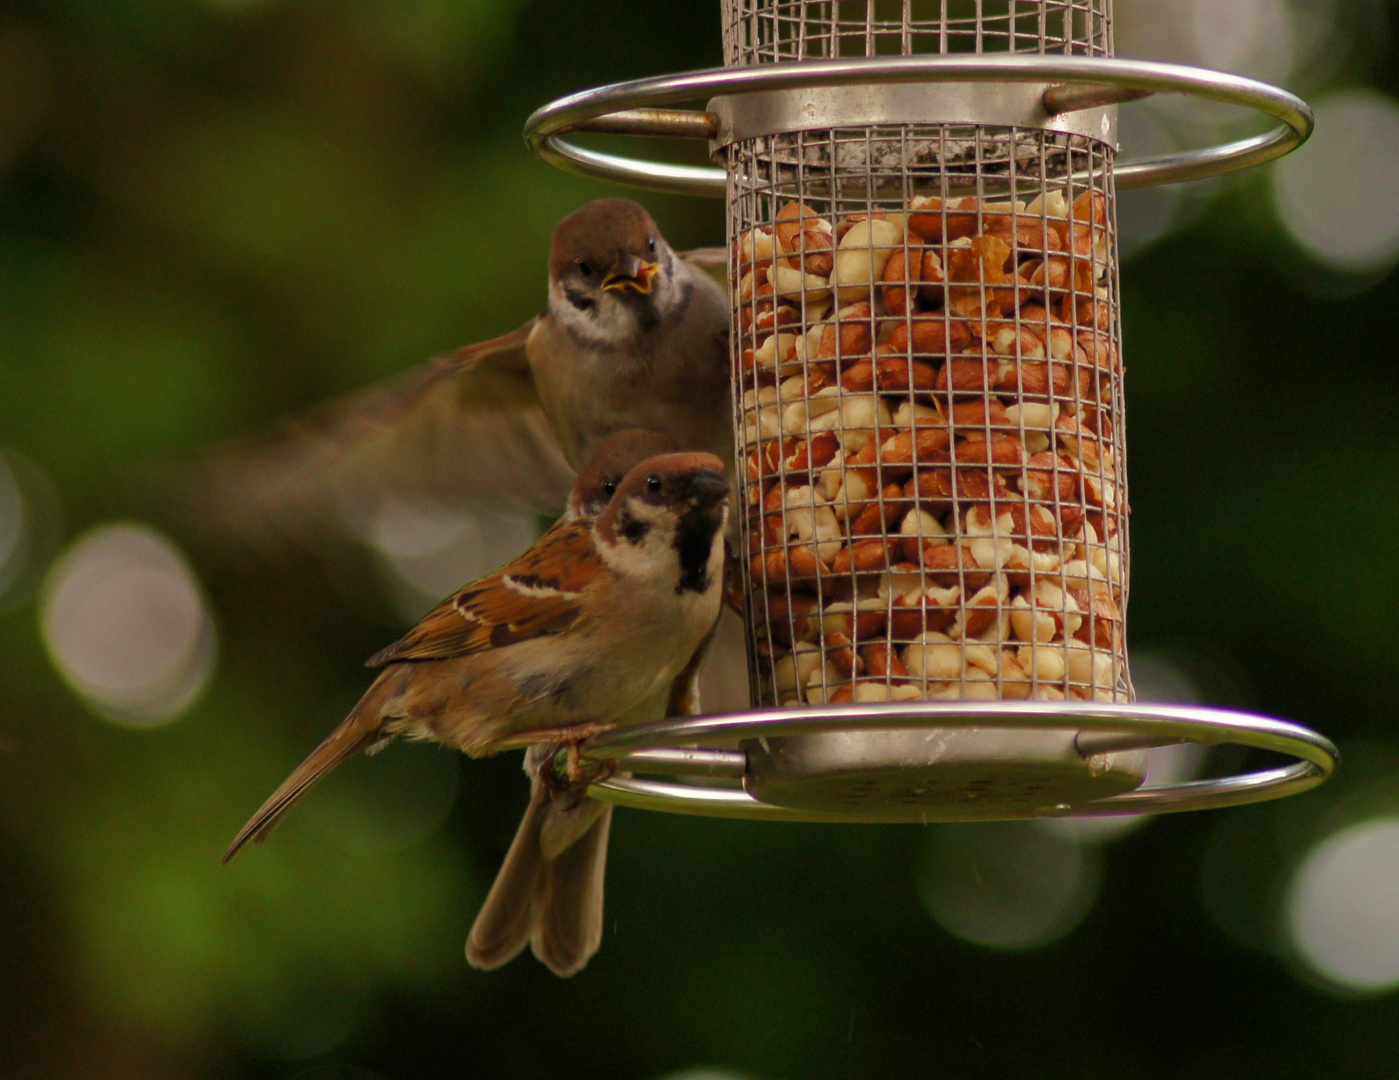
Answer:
[(928, 409)]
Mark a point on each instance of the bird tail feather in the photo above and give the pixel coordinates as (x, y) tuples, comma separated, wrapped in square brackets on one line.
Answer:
[(551, 902), (503, 926), (568, 928), (362, 728)]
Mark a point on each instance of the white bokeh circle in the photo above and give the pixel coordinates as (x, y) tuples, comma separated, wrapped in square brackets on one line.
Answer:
[(126, 624), (1008, 885), (1342, 909), (1336, 196)]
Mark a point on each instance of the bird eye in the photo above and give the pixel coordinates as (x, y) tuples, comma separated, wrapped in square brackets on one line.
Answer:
[(651, 245), (584, 268), (609, 488), (653, 484)]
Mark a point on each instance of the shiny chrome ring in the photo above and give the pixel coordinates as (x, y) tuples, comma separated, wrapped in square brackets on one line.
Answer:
[(646, 107), (652, 749)]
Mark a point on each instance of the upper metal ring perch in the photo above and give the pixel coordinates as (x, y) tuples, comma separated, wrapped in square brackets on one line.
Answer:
[(1073, 84), (1102, 728)]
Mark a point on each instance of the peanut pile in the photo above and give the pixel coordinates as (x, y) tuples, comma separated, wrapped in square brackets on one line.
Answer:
[(929, 457)]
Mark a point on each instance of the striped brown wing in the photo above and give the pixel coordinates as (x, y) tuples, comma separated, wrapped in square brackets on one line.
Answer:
[(538, 594)]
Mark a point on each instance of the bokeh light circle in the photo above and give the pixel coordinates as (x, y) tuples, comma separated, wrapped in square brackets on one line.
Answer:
[(1144, 215), (1336, 196), (1008, 885), (703, 1074), (126, 624), (427, 550), (30, 526), (1342, 907), (1166, 678), (1244, 37)]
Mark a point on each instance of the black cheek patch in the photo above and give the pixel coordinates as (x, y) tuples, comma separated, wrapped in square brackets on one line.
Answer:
[(578, 298), (693, 542), (633, 530)]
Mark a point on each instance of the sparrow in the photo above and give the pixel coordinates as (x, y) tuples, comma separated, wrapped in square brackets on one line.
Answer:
[(585, 631), (616, 456), (596, 485), (634, 335), (547, 868)]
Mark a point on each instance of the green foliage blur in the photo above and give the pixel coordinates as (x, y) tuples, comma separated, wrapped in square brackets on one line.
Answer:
[(213, 213)]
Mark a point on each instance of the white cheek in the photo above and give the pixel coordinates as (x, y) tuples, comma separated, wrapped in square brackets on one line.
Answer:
[(584, 325), (639, 562), (654, 558), (614, 318), (611, 320)]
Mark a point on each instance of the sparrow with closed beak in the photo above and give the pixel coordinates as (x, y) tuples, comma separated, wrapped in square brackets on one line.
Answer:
[(586, 630), (616, 456), (591, 493)]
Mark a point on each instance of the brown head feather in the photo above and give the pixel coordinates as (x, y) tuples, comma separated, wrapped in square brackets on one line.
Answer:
[(671, 480), (616, 456), (598, 233)]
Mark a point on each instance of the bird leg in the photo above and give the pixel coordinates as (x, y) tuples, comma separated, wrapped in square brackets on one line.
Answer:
[(575, 774), (575, 733), (581, 773), (567, 775)]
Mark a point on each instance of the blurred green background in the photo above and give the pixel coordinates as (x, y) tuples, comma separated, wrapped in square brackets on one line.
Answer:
[(213, 213)]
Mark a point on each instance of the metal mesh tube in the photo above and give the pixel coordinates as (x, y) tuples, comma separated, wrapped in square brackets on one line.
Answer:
[(779, 31), (929, 403)]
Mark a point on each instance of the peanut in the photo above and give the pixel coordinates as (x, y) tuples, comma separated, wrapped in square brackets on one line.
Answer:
[(931, 470), (862, 256)]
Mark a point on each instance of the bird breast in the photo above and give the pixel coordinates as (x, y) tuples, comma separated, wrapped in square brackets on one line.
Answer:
[(672, 379)]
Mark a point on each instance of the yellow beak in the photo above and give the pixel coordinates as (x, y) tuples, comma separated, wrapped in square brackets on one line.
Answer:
[(642, 281)]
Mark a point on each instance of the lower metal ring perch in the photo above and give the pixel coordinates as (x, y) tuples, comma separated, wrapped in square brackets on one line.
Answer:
[(947, 761)]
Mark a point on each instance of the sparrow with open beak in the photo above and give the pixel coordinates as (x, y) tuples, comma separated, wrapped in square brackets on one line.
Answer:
[(586, 630), (634, 336)]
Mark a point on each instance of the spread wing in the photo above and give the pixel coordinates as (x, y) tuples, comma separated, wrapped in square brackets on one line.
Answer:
[(465, 429), (537, 594)]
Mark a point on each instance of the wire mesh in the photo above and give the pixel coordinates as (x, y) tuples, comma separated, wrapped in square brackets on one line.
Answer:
[(930, 422), (779, 31), (932, 459)]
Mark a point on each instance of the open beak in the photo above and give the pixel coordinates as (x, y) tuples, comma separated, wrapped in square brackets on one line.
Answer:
[(642, 277)]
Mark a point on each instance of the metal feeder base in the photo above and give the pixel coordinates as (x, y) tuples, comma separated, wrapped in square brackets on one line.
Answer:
[(923, 761), (949, 774)]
